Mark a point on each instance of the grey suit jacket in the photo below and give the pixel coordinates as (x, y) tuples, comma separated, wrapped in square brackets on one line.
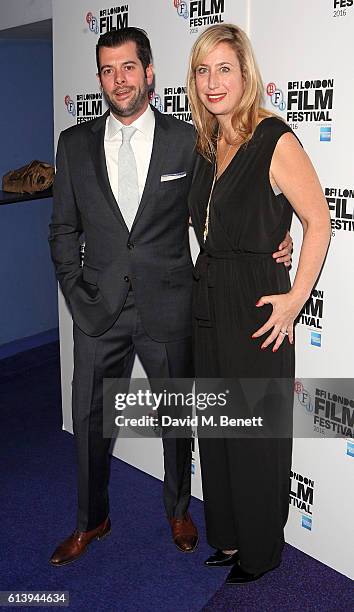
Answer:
[(154, 256)]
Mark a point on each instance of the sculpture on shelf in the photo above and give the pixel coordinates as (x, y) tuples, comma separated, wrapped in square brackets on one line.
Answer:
[(36, 176)]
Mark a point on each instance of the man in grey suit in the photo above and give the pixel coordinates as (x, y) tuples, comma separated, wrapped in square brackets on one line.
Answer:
[(122, 182), (133, 294)]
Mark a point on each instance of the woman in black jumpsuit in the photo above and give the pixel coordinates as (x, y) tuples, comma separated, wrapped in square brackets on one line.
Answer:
[(245, 481)]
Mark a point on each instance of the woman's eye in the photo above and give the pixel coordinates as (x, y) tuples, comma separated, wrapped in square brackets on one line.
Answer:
[(225, 69), (201, 70)]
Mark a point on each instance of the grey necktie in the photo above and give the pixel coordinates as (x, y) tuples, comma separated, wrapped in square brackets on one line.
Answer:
[(128, 189)]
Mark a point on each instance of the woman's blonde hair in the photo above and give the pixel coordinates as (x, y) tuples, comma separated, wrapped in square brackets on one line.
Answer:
[(249, 110)]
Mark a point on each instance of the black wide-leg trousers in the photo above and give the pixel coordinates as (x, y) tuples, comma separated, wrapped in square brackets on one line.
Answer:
[(246, 481), (111, 355), (246, 497)]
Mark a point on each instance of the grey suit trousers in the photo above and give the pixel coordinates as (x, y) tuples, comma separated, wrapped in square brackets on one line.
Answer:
[(112, 355)]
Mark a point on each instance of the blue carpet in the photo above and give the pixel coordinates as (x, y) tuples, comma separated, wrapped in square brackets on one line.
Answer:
[(28, 343), (300, 584), (136, 568)]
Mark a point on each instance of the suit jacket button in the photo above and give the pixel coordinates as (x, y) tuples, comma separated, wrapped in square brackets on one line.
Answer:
[(130, 245), (126, 278)]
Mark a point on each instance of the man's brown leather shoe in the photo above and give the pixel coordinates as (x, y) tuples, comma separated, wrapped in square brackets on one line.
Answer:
[(75, 545), (184, 532)]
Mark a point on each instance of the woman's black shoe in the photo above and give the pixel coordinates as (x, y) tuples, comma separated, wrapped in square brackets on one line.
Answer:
[(238, 576), (220, 559)]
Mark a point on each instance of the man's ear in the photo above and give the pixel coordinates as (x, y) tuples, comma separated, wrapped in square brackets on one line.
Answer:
[(149, 74), (99, 79)]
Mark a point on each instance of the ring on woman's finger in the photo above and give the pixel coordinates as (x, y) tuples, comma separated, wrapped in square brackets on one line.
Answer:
[(284, 333)]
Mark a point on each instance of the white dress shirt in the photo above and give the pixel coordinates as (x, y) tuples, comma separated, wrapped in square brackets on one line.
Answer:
[(141, 143)]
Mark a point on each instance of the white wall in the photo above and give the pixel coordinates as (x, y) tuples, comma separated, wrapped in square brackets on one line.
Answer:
[(14, 13)]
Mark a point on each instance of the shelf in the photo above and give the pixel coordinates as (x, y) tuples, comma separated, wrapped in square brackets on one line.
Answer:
[(11, 198)]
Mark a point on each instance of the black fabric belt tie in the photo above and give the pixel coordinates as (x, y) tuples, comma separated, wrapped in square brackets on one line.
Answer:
[(205, 274)]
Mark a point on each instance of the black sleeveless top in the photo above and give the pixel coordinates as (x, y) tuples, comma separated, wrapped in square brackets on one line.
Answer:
[(235, 267), (245, 214)]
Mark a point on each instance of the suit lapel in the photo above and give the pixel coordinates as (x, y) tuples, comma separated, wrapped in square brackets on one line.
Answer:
[(160, 147), (99, 161)]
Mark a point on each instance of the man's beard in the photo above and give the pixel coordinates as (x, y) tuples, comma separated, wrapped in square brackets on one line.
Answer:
[(134, 106)]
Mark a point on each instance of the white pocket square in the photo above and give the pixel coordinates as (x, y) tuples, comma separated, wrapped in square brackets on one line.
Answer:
[(172, 177)]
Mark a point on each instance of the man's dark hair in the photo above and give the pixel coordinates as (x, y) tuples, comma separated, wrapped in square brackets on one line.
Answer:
[(116, 38)]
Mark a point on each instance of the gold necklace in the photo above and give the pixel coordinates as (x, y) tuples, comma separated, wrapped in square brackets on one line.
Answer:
[(217, 173), (206, 224), (221, 166)]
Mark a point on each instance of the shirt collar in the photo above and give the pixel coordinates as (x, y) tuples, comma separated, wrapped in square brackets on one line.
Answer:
[(144, 124)]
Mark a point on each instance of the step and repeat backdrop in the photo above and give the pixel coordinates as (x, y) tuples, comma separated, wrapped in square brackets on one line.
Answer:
[(303, 48)]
